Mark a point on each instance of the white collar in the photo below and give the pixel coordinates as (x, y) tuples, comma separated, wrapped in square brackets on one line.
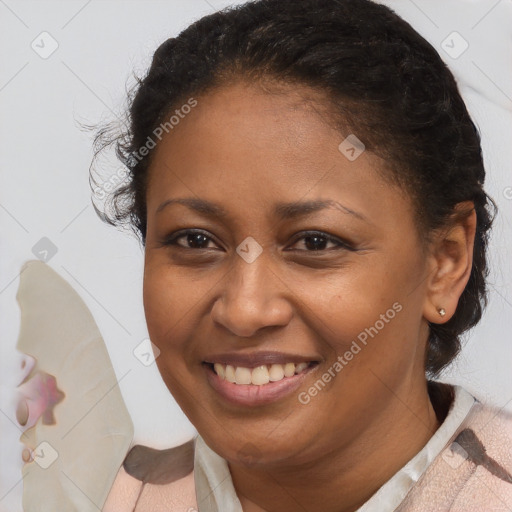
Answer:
[(215, 491), (392, 493)]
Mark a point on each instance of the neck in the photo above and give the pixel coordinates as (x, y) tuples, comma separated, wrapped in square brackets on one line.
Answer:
[(343, 479)]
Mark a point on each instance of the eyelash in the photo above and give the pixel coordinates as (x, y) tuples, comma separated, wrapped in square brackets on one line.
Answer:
[(172, 240)]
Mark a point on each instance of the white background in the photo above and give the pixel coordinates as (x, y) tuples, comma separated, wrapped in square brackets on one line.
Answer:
[(44, 161)]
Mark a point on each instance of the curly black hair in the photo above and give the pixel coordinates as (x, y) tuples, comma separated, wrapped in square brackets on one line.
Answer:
[(383, 81)]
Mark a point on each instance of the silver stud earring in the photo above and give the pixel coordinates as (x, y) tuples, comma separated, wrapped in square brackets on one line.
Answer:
[(441, 311)]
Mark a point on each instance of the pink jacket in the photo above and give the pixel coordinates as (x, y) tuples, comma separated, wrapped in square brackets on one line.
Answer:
[(472, 473)]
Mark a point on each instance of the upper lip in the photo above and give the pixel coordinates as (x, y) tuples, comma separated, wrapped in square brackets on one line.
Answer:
[(254, 359)]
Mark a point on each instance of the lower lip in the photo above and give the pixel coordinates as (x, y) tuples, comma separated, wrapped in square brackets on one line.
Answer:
[(252, 395)]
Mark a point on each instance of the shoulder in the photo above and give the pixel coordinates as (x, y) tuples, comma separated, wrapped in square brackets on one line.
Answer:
[(474, 470), (151, 479)]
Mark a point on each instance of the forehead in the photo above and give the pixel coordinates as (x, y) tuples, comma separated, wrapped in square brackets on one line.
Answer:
[(263, 118), (242, 144)]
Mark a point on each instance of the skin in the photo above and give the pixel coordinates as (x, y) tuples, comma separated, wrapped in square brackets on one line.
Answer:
[(246, 149)]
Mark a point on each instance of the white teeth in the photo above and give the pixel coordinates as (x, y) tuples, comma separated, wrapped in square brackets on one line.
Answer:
[(219, 370), (230, 373), (300, 367), (276, 372), (289, 369), (260, 375), (242, 375)]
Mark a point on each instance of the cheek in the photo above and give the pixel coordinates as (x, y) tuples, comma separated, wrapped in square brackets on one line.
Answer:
[(158, 305), (168, 306), (373, 329), (169, 294), (375, 303)]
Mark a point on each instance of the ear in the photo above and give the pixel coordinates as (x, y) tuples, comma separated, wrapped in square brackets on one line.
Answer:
[(450, 263)]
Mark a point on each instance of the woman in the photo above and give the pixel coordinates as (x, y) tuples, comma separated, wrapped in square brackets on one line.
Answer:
[(308, 187)]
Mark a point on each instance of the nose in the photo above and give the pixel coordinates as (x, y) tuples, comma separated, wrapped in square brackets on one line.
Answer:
[(253, 297)]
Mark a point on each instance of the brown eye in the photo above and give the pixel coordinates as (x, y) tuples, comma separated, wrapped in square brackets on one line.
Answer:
[(317, 241), (194, 239)]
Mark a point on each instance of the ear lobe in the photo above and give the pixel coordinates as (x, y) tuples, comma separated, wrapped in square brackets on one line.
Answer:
[(451, 260)]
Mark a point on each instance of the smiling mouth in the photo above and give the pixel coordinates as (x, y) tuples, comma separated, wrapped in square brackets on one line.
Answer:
[(259, 375)]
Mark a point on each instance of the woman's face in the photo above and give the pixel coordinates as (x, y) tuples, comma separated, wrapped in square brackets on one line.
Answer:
[(252, 288)]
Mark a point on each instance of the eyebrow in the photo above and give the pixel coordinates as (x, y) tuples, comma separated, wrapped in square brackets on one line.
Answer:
[(283, 211)]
